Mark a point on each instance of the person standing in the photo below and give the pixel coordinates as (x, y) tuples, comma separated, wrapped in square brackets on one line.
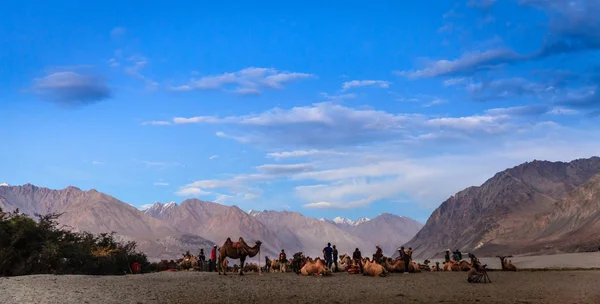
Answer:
[(213, 259), (335, 258), (447, 257), (405, 259), (201, 259), (357, 257), (328, 254), (282, 261), (409, 252)]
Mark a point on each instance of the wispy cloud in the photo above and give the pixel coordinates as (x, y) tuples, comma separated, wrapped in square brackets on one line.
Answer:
[(118, 32), (161, 184), (364, 83), (573, 27), (248, 81), (213, 157), (156, 123)]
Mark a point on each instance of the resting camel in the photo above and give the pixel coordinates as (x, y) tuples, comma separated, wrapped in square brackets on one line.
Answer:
[(373, 269), (507, 266), (189, 261), (314, 267), (398, 265), (238, 250)]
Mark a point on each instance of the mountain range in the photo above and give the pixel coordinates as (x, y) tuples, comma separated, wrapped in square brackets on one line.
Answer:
[(165, 231), (538, 207)]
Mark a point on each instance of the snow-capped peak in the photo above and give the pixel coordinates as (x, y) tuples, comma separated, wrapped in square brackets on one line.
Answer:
[(344, 221), (362, 220), (4, 185), (170, 205), (341, 220), (322, 219), (254, 212)]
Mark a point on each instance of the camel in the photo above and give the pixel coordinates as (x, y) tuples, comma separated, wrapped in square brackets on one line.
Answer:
[(251, 267), (507, 266), (373, 269), (189, 261), (275, 265), (315, 267), (398, 265), (239, 250)]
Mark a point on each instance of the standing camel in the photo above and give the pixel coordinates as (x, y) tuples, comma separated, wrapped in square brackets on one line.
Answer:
[(238, 250)]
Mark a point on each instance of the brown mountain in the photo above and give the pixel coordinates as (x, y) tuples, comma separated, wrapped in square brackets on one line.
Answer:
[(506, 213), (97, 212), (312, 234), (218, 222), (387, 230), (574, 223)]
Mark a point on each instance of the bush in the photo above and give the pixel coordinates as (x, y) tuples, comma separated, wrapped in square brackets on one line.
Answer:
[(42, 247)]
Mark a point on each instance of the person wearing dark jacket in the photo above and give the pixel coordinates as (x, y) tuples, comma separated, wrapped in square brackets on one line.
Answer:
[(447, 256), (335, 258), (378, 255), (297, 262), (405, 258), (328, 255), (201, 259), (357, 257)]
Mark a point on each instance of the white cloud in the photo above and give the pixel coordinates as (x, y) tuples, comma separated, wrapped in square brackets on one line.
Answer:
[(191, 191), (161, 184), (330, 126), (337, 97), (302, 153), (437, 101), (248, 81), (139, 63), (213, 157), (156, 123), (468, 63), (363, 83), (97, 163), (454, 81)]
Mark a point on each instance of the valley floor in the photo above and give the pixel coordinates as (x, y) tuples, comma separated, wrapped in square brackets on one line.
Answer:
[(196, 287)]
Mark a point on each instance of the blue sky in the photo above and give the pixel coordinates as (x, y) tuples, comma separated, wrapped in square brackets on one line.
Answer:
[(339, 109)]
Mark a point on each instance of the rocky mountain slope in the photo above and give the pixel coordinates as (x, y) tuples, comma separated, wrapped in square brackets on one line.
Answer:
[(312, 235), (574, 223), (386, 230), (507, 212), (218, 222), (97, 212)]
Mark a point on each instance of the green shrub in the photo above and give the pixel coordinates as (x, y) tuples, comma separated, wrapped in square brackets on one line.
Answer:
[(42, 247)]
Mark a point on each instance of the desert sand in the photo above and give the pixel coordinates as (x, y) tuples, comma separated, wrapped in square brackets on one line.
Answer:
[(200, 287)]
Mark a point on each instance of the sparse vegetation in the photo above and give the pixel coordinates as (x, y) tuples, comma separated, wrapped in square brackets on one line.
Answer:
[(28, 246)]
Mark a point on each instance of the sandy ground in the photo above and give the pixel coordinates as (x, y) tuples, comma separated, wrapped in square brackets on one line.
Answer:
[(565, 260), (196, 287)]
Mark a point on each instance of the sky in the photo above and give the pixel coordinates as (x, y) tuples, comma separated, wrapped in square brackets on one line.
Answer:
[(331, 109)]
